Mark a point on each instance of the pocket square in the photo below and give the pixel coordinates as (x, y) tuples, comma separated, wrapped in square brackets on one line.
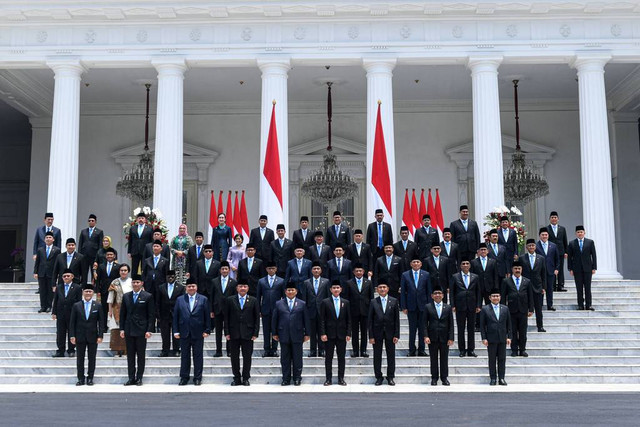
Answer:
[(141, 302)]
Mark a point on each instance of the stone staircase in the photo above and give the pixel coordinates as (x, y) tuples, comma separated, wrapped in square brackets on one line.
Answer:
[(596, 347)]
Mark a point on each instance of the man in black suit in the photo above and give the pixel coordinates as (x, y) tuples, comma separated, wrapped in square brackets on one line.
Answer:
[(303, 237), (415, 294), (339, 267), (425, 237), (487, 271), (552, 258), (335, 331), (558, 235), (270, 291), (241, 329), (148, 248), (298, 270), (281, 250), (508, 237), (450, 249), (359, 293), (207, 269), (384, 328), (440, 270), (191, 325), (90, 241), (465, 232), (339, 232), (582, 263), (139, 235), (72, 260), (105, 274), (379, 234), (154, 269), (290, 323), (406, 249), (316, 290), (65, 295), (320, 252), (250, 270), (388, 270), (222, 287), (518, 294), (466, 300), (137, 323), (38, 238), (168, 294), (195, 253), (495, 330), (498, 252), (438, 335), (360, 252), (260, 238), (85, 331), (534, 268), (43, 271)]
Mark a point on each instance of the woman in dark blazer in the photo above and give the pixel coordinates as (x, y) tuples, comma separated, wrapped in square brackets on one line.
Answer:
[(221, 239)]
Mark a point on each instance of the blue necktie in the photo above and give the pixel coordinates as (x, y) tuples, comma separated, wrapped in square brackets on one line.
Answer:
[(517, 283), (191, 303), (388, 263), (339, 262), (170, 289), (580, 241), (87, 309), (446, 245), (66, 290), (336, 304), (290, 305), (532, 260), (135, 297), (436, 260), (223, 284), (496, 310), (108, 268), (155, 262), (270, 281), (464, 223), (415, 278), (208, 264), (380, 235), (337, 230), (404, 244), (90, 232), (249, 263), (466, 281), (439, 310), (315, 285), (384, 304), (48, 251), (241, 303), (484, 263), (70, 257), (197, 251), (140, 228), (359, 285), (299, 265)]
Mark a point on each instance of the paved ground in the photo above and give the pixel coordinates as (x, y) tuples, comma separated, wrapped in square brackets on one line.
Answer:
[(284, 409)]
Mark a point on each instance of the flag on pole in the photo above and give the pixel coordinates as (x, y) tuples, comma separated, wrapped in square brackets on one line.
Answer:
[(229, 212), (417, 223), (432, 212), (438, 210), (245, 219), (271, 169), (213, 214), (406, 213), (423, 209), (380, 177), (220, 207), (237, 219)]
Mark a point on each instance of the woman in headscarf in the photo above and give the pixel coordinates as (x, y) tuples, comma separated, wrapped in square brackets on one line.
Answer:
[(101, 257), (179, 251), (117, 289), (221, 239)]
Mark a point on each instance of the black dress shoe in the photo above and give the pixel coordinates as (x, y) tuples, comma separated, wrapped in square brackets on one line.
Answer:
[(274, 354), (284, 383), (471, 354), (411, 354), (183, 381), (246, 383), (477, 329), (48, 310), (379, 381), (80, 382), (502, 381), (445, 382), (228, 354), (235, 383), (297, 382), (493, 382), (176, 353), (514, 354), (434, 382), (217, 354), (542, 330), (164, 354), (561, 289), (89, 381), (321, 354), (57, 354), (390, 381), (423, 354), (591, 308), (354, 354), (580, 308), (551, 308), (312, 354), (462, 353), (328, 382), (524, 354), (197, 382), (41, 310), (341, 381), (364, 354), (130, 382), (139, 383)]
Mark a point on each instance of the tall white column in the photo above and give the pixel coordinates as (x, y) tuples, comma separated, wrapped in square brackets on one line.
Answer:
[(380, 88), (274, 88), (487, 136), (595, 160), (167, 169), (62, 198)]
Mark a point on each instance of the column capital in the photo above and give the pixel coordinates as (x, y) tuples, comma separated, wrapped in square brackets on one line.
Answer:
[(385, 65), (484, 63), (170, 65), (67, 67), (274, 66), (590, 62)]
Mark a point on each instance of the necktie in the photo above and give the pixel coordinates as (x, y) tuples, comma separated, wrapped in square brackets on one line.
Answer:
[(336, 305), (155, 261), (505, 234), (496, 310), (319, 247), (270, 281), (87, 309), (517, 283), (223, 284), (358, 247), (207, 264), (262, 231), (446, 246), (70, 257), (464, 223), (380, 235), (495, 249), (339, 262), (241, 303), (66, 290), (555, 230), (197, 251), (437, 261), (580, 241), (544, 247), (108, 268), (388, 263), (170, 290), (281, 243), (359, 285), (415, 278), (48, 251), (191, 303), (290, 305), (484, 263), (135, 297), (90, 232), (404, 245), (315, 286), (337, 230), (466, 281), (140, 228), (48, 229), (384, 304), (304, 234), (532, 260), (439, 309), (299, 265), (249, 263)]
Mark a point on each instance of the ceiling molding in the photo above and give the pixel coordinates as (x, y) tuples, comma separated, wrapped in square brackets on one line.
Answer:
[(626, 91), (25, 93)]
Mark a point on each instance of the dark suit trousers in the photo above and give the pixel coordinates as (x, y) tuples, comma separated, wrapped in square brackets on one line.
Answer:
[(92, 350), (136, 347), (583, 287), (46, 292), (315, 343), (62, 332), (270, 345), (519, 328), (466, 319), (497, 353), (537, 305), (341, 350), (439, 351), (291, 354), (359, 331), (390, 348), (560, 281), (247, 350), (416, 318), (395, 293), (136, 260), (166, 324), (549, 291), (219, 325), (105, 307), (188, 345)]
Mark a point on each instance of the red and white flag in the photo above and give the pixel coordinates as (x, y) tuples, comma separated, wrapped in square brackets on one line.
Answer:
[(380, 174), (220, 208), (415, 215), (237, 219), (229, 212), (422, 211), (406, 213), (432, 212), (271, 191), (245, 219), (213, 216), (438, 210)]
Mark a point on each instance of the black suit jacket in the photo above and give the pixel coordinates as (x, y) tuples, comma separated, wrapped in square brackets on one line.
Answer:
[(137, 244), (463, 299), (152, 275), (88, 246), (365, 257), (467, 240), (193, 258), (43, 266), (313, 301), (454, 254), (441, 275), (250, 277), (204, 278), (78, 266), (263, 246), (372, 235), (500, 258), (241, 323), (148, 251), (217, 297), (537, 275), (166, 304), (359, 300), (86, 330), (344, 275), (518, 301), (492, 329), (487, 278), (344, 236), (299, 240), (510, 245), (104, 280), (438, 329), (61, 306), (38, 239), (330, 325), (560, 239), (425, 240), (407, 255), (139, 318), (392, 276), (384, 324), (582, 261), (281, 255), (325, 254)]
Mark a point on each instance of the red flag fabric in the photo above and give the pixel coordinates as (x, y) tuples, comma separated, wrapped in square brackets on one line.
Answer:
[(220, 208), (406, 213), (237, 219), (423, 207), (432, 212), (439, 211), (244, 218), (272, 159), (213, 213), (417, 223), (229, 212), (380, 178)]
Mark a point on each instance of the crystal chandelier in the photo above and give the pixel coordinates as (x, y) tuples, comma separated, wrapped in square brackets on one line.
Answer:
[(522, 183), (329, 185), (137, 183)]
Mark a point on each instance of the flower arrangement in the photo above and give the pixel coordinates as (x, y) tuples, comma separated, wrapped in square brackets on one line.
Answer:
[(154, 219), (493, 221)]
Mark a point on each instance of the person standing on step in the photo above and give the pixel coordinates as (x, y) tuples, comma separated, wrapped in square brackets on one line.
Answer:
[(270, 291), (466, 300), (495, 330), (139, 235), (335, 331), (43, 271), (534, 268), (552, 259), (465, 232), (223, 287), (415, 295), (105, 274), (359, 293), (241, 329), (438, 335), (65, 295), (168, 294), (518, 294), (582, 263), (558, 236), (38, 238), (86, 329), (317, 289), (384, 329), (89, 242), (379, 235)]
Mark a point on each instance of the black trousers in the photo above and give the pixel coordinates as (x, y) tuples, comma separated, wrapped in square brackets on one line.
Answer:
[(416, 318), (46, 292), (104, 296), (341, 349), (270, 345), (246, 346), (439, 352), (395, 293), (466, 320), (187, 346), (560, 279), (390, 349), (136, 260), (359, 332), (519, 330), (497, 353), (291, 355), (583, 287), (62, 333), (166, 324), (136, 348), (316, 345), (549, 291), (219, 327), (537, 305), (92, 351)]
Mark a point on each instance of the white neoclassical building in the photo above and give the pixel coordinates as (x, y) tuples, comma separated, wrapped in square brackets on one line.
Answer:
[(72, 77)]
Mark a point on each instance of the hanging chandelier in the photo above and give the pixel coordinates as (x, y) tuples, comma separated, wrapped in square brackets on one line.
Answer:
[(522, 183), (329, 185), (137, 183)]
